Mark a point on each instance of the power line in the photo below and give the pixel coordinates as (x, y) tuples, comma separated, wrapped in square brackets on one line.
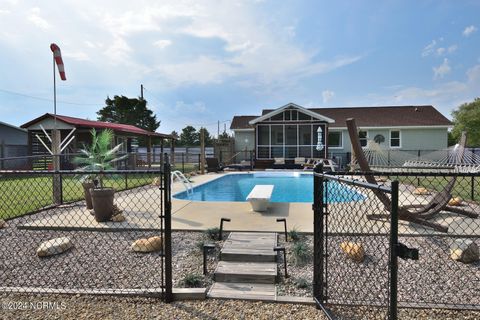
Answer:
[(46, 99)]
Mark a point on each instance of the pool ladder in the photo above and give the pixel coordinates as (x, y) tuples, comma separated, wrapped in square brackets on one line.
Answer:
[(186, 183)]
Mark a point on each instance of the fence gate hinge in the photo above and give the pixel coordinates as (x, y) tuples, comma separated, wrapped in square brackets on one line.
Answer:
[(405, 252)]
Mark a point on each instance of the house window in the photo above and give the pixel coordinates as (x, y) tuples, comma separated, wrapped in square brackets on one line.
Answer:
[(395, 139), (277, 135), (362, 135), (263, 135), (335, 139), (277, 117)]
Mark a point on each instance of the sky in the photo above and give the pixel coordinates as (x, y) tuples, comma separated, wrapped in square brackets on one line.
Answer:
[(205, 61)]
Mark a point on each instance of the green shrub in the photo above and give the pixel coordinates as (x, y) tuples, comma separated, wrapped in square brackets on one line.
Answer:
[(212, 233), (192, 280), (302, 283), (300, 253), (294, 234), (200, 244)]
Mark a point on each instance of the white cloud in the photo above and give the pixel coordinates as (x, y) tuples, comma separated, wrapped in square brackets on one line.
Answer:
[(429, 48), (441, 51), (34, 17), (452, 48), (162, 44), (441, 70), (195, 107), (327, 95), (469, 30)]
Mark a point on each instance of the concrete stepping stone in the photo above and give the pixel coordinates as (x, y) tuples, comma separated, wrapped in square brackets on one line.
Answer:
[(54, 246)]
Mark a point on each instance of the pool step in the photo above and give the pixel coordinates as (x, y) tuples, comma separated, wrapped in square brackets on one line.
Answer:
[(249, 247), (246, 272)]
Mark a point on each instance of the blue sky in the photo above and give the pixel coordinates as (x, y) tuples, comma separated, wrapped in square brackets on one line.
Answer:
[(204, 61)]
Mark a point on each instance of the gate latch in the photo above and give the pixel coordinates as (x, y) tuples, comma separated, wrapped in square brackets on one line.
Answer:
[(405, 252)]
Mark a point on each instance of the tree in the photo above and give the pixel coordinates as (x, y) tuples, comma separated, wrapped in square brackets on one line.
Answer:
[(129, 111), (188, 137), (467, 118), (208, 138)]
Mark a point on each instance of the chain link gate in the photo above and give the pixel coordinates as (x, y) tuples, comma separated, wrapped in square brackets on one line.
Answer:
[(355, 259), (98, 257)]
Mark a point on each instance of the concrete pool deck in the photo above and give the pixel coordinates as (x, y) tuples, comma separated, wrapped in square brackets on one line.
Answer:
[(200, 215)]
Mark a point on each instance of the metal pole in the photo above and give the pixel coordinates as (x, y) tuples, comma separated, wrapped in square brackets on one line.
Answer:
[(393, 252), (318, 234), (473, 188), (220, 233), (168, 230)]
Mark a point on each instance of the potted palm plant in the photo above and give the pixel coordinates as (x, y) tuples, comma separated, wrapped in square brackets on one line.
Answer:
[(98, 157)]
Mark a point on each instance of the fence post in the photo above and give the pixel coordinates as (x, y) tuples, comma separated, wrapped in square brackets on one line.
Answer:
[(168, 229), (183, 162), (393, 251), (473, 188), (318, 250)]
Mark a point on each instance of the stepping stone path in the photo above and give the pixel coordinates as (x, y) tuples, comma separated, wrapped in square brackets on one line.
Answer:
[(247, 268)]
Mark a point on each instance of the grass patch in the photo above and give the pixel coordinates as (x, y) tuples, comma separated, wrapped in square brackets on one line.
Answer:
[(462, 188), (212, 233), (300, 253), (192, 280), (294, 234), (22, 194), (302, 283)]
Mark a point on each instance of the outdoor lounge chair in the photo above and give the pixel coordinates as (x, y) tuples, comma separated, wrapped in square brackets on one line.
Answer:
[(423, 213), (213, 165)]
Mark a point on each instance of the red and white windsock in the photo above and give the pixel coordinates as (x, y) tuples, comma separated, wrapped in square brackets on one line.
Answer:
[(57, 55)]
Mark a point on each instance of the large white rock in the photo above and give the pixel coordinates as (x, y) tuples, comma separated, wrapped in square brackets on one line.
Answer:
[(54, 246), (464, 250)]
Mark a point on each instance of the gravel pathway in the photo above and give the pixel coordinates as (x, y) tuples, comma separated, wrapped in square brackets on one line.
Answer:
[(117, 308)]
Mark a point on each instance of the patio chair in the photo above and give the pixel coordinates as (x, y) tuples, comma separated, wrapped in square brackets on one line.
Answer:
[(213, 165), (423, 213)]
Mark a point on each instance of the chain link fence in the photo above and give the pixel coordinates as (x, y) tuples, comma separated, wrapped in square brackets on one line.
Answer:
[(64, 236), (357, 242)]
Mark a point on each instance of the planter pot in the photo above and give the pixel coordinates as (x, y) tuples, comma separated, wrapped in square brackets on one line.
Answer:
[(102, 200), (86, 191)]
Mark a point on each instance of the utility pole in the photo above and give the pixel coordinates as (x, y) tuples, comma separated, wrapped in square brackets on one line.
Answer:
[(141, 91), (218, 129)]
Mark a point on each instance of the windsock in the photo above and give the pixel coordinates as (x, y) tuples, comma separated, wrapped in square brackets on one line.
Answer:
[(57, 55)]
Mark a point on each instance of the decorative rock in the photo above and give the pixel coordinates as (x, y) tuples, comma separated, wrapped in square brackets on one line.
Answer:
[(3, 224), (353, 250), (147, 245), (464, 250), (54, 246), (118, 218), (421, 191), (455, 201), (156, 181)]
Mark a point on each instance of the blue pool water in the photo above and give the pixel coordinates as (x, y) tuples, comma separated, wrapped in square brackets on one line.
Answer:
[(288, 187)]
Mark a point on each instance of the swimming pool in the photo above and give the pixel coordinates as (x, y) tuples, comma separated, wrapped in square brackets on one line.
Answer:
[(288, 187)]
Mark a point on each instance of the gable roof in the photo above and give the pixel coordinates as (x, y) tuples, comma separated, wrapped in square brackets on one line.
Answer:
[(384, 116), (242, 122), (290, 105), (77, 122), (12, 126)]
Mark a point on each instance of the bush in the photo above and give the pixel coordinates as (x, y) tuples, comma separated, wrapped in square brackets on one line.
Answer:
[(192, 280), (293, 234), (212, 233), (302, 283), (200, 244), (300, 253)]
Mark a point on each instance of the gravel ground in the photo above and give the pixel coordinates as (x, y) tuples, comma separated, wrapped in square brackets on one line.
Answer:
[(88, 307), (434, 278), (97, 259)]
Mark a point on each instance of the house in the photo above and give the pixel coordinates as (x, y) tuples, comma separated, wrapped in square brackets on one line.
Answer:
[(293, 131), (124, 133), (13, 144)]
